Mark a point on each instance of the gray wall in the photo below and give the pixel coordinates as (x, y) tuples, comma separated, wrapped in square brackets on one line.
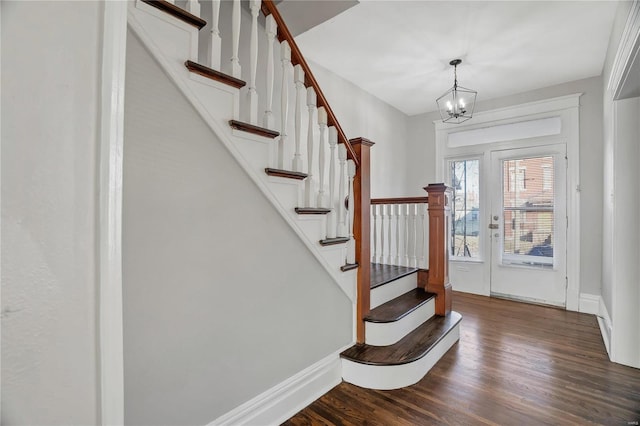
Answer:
[(421, 164), (50, 95), (221, 299), (363, 115)]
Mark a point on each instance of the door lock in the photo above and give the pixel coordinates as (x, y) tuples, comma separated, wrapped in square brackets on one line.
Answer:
[(494, 226)]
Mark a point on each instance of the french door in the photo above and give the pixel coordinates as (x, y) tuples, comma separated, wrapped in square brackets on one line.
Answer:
[(527, 227)]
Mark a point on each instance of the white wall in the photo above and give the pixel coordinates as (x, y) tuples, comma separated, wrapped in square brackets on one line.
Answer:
[(50, 95), (222, 300), (422, 136), (608, 170), (620, 278)]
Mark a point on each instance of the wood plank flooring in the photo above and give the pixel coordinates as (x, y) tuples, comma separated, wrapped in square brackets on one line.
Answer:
[(515, 364)]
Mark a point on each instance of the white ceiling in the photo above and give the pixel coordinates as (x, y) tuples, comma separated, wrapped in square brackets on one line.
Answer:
[(400, 50)]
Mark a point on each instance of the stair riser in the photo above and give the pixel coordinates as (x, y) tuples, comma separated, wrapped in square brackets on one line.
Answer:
[(388, 333), (389, 377), (386, 292), (178, 37)]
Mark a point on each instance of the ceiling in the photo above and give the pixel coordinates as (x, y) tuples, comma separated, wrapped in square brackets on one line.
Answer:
[(399, 51)]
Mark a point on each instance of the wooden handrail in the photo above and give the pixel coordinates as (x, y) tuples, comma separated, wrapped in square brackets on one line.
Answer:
[(401, 200), (269, 8)]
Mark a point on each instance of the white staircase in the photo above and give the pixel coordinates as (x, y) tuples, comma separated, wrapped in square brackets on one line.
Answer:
[(173, 41), (305, 168)]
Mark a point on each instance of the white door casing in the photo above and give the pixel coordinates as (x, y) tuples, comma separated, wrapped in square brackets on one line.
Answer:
[(523, 276), (548, 122)]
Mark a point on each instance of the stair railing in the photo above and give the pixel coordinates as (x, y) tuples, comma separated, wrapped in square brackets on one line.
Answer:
[(351, 171), (413, 232)]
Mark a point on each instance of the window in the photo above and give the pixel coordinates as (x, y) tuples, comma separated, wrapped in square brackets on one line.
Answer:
[(465, 220), (528, 212)]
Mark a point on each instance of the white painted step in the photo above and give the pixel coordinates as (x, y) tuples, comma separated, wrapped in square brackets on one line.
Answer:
[(380, 331), (404, 363), (393, 289)]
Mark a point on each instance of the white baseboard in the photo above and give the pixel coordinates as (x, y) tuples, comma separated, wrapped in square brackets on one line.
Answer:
[(282, 401), (589, 304), (604, 321)]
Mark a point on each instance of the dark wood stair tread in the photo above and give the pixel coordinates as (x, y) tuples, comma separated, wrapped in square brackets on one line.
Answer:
[(348, 267), (177, 12), (214, 75), (312, 210), (285, 173), (383, 274), (251, 128), (410, 348), (334, 241), (399, 307)]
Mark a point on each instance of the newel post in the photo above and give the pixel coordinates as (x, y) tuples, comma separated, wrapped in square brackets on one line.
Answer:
[(438, 275), (362, 230)]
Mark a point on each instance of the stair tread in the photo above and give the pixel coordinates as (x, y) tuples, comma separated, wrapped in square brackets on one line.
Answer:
[(252, 128), (312, 210), (332, 241), (214, 74), (285, 173), (177, 12), (348, 266), (383, 274), (399, 307), (410, 348)]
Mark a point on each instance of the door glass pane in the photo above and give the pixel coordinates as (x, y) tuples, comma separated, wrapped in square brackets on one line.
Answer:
[(465, 211), (528, 208)]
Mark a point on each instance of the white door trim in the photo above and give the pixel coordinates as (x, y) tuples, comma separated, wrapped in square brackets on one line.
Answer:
[(566, 107), (628, 48), (111, 362)]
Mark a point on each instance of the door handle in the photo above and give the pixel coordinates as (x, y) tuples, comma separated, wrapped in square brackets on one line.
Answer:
[(493, 226)]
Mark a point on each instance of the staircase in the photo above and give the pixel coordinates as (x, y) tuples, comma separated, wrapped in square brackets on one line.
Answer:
[(290, 143), (404, 338)]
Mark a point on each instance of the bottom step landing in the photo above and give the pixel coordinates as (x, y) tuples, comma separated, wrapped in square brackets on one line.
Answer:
[(405, 362)]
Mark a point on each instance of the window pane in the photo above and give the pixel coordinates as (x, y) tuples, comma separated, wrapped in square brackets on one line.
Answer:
[(465, 232), (528, 211)]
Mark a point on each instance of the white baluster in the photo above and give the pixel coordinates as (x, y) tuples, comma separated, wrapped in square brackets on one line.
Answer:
[(271, 30), (235, 69), (342, 158), (311, 103), (381, 233), (422, 208), (252, 94), (398, 216), (351, 244), (405, 232), (285, 53), (413, 235), (193, 7), (298, 77), (322, 121), (215, 41), (390, 211), (331, 217), (374, 231)]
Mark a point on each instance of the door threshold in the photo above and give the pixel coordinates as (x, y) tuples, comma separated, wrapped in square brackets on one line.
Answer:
[(529, 300)]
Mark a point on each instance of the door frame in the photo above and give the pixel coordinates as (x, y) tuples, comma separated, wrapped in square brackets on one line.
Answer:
[(559, 266), (566, 108)]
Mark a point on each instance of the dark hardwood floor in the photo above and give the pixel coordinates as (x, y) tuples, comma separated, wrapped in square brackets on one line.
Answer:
[(515, 364)]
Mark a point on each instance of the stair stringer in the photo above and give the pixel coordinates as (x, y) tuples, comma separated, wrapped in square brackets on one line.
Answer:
[(218, 103)]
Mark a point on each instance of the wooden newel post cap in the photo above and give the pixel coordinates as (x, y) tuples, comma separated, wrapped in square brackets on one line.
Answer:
[(437, 187)]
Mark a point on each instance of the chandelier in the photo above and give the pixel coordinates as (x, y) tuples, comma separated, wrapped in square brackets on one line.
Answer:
[(456, 104)]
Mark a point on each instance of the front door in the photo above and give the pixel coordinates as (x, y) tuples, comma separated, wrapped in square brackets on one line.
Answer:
[(528, 224)]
